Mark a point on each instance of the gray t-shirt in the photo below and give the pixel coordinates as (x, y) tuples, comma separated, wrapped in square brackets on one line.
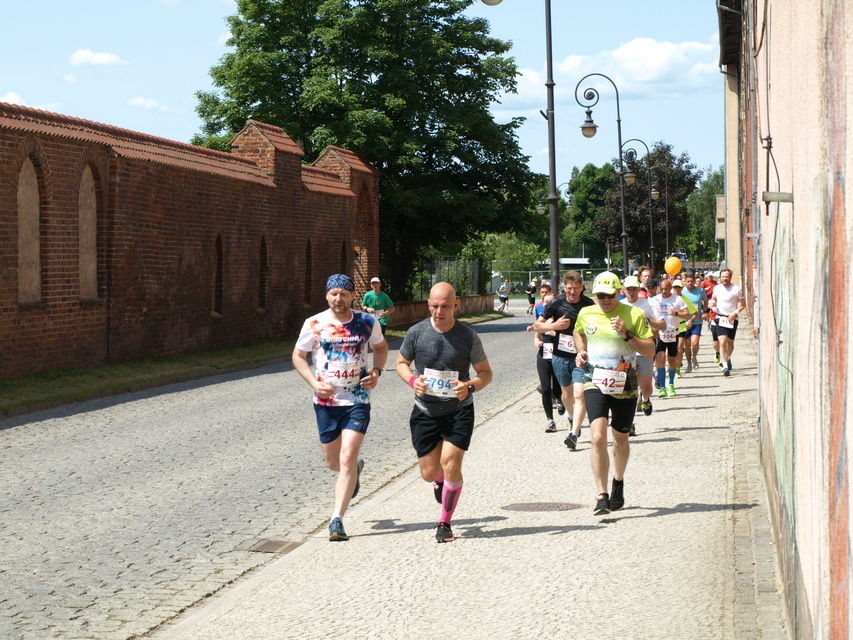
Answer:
[(454, 350)]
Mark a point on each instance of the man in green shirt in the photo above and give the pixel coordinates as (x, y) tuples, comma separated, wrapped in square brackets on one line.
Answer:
[(378, 303), (608, 336)]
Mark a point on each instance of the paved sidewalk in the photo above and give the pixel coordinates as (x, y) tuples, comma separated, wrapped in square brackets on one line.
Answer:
[(690, 555)]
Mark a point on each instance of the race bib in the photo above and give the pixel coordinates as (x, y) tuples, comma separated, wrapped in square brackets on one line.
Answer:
[(547, 350), (440, 383), (567, 343), (609, 381), (343, 374), (723, 321), (669, 336)]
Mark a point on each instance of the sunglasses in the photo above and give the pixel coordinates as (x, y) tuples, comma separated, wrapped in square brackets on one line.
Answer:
[(605, 296)]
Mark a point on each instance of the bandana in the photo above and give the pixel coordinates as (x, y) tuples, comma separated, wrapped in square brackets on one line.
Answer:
[(340, 281)]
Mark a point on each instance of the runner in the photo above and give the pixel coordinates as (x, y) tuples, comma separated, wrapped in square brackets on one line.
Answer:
[(503, 296), (378, 303), (631, 287), (549, 386), (560, 317), (708, 285), (337, 340), (672, 309), (442, 421), (699, 298), (530, 290), (644, 274), (608, 336), (684, 327), (728, 302)]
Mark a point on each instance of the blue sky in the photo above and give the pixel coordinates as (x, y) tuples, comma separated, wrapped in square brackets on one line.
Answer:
[(137, 64)]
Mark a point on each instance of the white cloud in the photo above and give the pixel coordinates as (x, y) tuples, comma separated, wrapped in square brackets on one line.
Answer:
[(13, 98), (147, 103), (89, 57), (69, 78)]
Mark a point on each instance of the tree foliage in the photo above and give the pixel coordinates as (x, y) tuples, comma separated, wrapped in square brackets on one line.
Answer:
[(700, 238), (408, 83)]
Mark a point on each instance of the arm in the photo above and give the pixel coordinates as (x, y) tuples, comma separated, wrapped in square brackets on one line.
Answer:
[(551, 324), (380, 356), (300, 363), (405, 372), (580, 345), (484, 376)]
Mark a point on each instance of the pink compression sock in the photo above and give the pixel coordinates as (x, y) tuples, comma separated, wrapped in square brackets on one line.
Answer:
[(449, 499)]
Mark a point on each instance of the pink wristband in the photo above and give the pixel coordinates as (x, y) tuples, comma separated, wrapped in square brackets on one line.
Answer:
[(412, 381)]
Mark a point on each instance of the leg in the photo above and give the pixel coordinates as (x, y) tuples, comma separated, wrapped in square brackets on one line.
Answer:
[(598, 456), (621, 453), (342, 456), (545, 373)]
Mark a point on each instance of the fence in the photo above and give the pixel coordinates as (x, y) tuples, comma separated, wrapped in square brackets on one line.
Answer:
[(464, 275)]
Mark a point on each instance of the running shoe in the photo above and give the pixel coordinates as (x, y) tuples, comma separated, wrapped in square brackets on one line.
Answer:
[(689, 367), (571, 441), (655, 380), (695, 364), (437, 489), (617, 500), (639, 406), (551, 427), (358, 478), (662, 393), (730, 365), (602, 505), (717, 357), (670, 391), (678, 372), (336, 531), (632, 431), (561, 408), (443, 532), (726, 372), (722, 366), (647, 408)]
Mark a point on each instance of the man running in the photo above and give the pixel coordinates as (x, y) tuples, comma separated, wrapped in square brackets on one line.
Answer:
[(337, 340), (560, 317), (378, 303), (699, 298), (672, 309), (442, 421), (728, 301), (530, 290), (631, 287), (503, 296), (608, 337), (684, 327)]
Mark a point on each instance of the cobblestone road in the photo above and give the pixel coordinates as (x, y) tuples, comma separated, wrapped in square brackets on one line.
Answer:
[(117, 514)]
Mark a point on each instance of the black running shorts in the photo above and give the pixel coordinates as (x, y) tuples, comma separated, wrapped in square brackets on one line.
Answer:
[(456, 428), (620, 410)]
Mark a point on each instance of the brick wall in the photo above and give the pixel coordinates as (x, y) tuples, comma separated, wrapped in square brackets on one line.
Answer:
[(161, 207)]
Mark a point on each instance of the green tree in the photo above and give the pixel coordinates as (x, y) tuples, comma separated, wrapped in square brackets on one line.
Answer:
[(675, 178), (512, 253), (700, 239), (589, 187), (408, 83)]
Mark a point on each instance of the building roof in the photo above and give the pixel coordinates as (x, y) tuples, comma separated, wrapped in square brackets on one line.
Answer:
[(730, 15), (324, 180), (277, 138), (356, 161), (132, 144)]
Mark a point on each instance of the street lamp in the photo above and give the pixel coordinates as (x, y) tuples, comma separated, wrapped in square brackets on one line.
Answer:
[(552, 197), (631, 155), (588, 128)]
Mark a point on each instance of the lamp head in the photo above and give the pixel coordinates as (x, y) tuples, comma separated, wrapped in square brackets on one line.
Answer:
[(655, 194), (630, 177), (588, 128), (541, 208), (492, 3)]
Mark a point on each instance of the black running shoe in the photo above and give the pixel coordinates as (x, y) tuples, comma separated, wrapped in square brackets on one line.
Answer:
[(358, 478), (571, 441), (647, 407), (443, 533), (336, 531), (561, 408), (437, 489), (617, 499), (602, 505)]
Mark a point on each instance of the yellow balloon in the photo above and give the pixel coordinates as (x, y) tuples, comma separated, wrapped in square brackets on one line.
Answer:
[(672, 265)]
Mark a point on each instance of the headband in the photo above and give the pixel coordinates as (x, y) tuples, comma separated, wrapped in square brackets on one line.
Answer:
[(340, 281)]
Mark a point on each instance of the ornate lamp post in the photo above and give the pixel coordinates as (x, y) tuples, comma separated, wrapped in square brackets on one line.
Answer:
[(588, 128), (552, 197), (630, 155)]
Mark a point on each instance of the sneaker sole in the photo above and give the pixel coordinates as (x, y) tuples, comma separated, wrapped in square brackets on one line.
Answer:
[(571, 443), (601, 512), (551, 430), (337, 537)]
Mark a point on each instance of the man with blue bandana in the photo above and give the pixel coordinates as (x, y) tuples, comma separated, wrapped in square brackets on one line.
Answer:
[(337, 340)]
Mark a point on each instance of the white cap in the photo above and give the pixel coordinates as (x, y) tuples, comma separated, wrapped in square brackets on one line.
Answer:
[(372, 280)]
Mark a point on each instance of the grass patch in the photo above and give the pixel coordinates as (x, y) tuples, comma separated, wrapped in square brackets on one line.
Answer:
[(61, 386)]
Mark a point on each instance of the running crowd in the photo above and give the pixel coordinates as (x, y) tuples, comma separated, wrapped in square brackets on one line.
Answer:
[(596, 357)]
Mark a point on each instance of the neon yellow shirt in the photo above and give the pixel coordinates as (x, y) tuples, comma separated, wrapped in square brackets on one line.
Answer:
[(606, 349)]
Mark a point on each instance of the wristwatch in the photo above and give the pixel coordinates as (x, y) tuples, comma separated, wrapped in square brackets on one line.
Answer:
[(377, 370), (470, 388), (628, 336)]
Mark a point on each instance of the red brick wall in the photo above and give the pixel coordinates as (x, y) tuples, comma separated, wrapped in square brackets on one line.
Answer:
[(158, 225)]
